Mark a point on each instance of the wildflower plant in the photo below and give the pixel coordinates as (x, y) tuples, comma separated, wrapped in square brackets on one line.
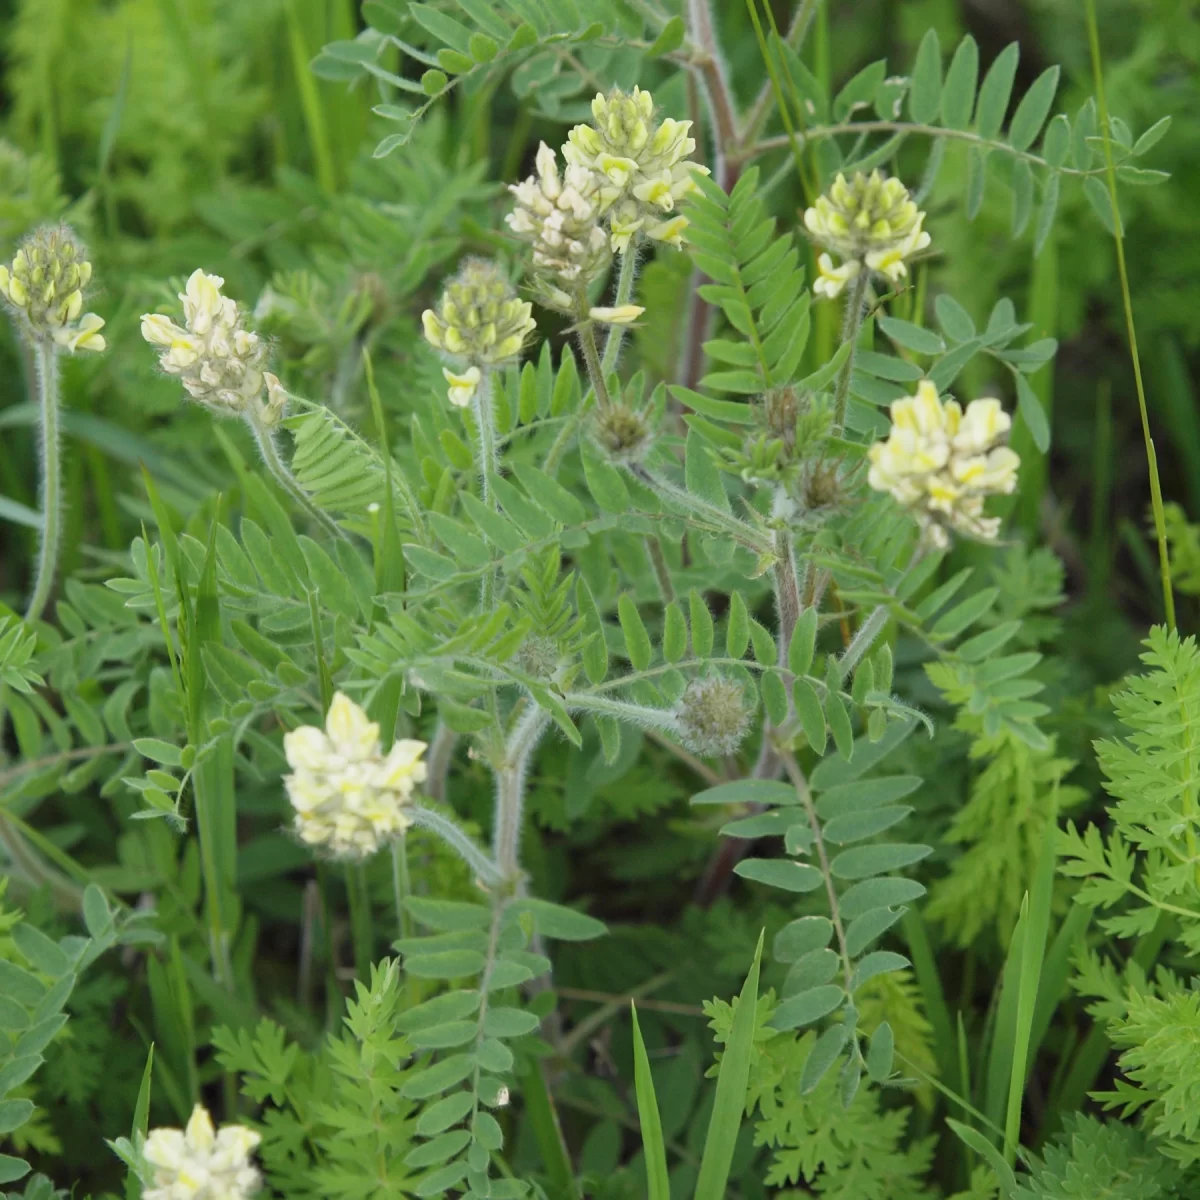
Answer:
[(512, 576)]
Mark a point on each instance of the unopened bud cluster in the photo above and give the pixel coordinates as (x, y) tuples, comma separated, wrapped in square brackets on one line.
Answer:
[(942, 463), (872, 223), (641, 167), (44, 286), (349, 797), (713, 716), (200, 1162), (479, 318), (220, 362)]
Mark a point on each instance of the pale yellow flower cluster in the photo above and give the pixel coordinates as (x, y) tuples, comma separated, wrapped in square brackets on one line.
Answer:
[(481, 319), (559, 215), (200, 1163), (641, 168), (872, 223), (220, 362), (942, 463), (349, 797), (44, 284)]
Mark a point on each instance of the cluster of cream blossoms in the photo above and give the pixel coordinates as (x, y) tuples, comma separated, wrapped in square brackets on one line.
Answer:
[(942, 463), (44, 285), (349, 798), (872, 223), (481, 319), (201, 1163), (559, 215), (220, 362), (642, 169)]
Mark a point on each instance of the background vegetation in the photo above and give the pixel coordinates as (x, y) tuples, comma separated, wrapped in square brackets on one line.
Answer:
[(177, 133)]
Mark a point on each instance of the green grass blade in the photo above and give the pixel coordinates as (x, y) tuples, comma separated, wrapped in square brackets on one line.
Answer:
[(547, 1132), (984, 1148), (1156, 500), (732, 1081), (1033, 953), (658, 1185), (945, 1045), (1056, 971), (1004, 1025)]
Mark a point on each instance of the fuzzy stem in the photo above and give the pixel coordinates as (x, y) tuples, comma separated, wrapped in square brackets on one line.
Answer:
[(616, 333), (739, 530), (282, 475), (851, 324), (714, 84), (591, 356), (488, 464), (862, 641), (662, 572), (458, 840), (45, 354), (481, 407), (555, 454), (510, 792), (835, 915), (441, 754), (361, 926), (401, 886), (787, 592), (645, 716)]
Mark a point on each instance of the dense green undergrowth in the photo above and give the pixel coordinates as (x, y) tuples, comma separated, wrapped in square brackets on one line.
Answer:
[(596, 600)]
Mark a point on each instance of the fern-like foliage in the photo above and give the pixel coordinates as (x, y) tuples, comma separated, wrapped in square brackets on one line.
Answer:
[(838, 1143), (1099, 1158), (758, 283), (1149, 863)]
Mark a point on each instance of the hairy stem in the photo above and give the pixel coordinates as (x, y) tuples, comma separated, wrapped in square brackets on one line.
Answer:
[(283, 476), (616, 333), (459, 841), (441, 755), (488, 463), (787, 591), (815, 133), (591, 356), (645, 716), (45, 354), (510, 792), (662, 572), (835, 915), (481, 409), (714, 84), (740, 531), (863, 640), (851, 324)]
